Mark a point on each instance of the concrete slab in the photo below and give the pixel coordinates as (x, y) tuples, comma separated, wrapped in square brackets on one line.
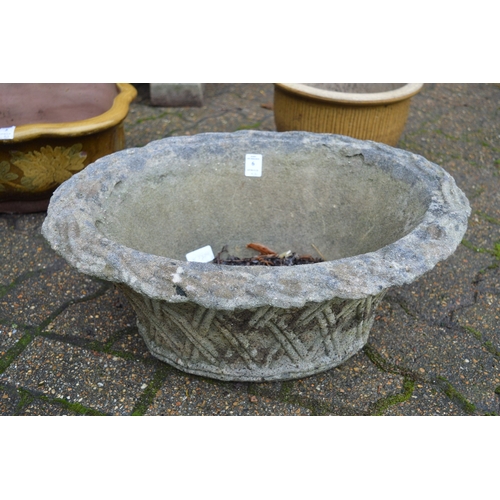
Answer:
[(172, 95)]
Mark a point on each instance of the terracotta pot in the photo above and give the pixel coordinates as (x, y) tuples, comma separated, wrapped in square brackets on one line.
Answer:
[(381, 218), (59, 130), (373, 111)]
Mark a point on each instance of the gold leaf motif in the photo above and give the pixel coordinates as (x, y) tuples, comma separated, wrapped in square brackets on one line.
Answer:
[(6, 175), (48, 167)]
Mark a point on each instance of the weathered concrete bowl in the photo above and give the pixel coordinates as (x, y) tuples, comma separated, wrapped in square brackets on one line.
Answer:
[(381, 217)]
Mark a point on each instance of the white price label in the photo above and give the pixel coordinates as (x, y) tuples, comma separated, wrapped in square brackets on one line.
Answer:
[(253, 165), (204, 254), (7, 132)]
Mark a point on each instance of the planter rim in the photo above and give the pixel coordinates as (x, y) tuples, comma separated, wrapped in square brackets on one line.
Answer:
[(376, 98), (72, 231), (113, 116)]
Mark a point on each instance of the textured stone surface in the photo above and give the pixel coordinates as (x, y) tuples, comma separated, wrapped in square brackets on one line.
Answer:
[(265, 343), (381, 216), (132, 216), (78, 376)]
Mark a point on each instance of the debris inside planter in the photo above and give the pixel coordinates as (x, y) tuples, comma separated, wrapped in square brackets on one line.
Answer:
[(266, 257)]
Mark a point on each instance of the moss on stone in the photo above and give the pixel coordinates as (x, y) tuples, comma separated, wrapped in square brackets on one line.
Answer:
[(488, 218), (459, 399), (147, 397), (382, 405), (75, 407), (491, 348), (15, 350), (476, 333)]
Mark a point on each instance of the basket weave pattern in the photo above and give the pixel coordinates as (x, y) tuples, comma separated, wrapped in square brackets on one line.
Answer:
[(265, 343)]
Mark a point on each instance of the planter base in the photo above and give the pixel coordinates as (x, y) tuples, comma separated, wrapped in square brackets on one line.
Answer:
[(24, 207), (253, 345)]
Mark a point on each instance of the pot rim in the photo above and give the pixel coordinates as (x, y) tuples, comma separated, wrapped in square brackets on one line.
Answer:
[(110, 118), (71, 229), (376, 98)]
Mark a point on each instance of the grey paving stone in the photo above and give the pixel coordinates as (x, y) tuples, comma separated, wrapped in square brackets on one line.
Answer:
[(36, 298), (447, 288), (9, 335), (130, 342), (353, 388), (24, 250), (437, 355), (95, 380), (426, 400), (41, 409), (186, 395), (97, 319), (9, 402)]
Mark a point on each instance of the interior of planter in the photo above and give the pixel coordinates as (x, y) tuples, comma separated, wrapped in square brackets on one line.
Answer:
[(357, 88), (31, 103), (337, 204)]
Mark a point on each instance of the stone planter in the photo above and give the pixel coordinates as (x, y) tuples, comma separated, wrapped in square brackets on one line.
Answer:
[(59, 130), (381, 217), (374, 111)]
